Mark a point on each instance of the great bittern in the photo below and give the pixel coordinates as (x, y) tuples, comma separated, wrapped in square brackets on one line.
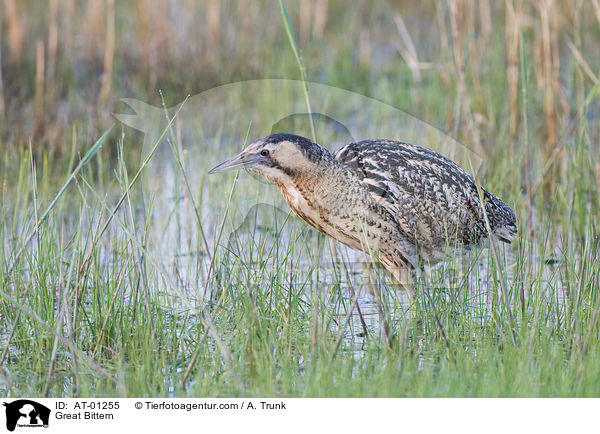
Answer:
[(404, 203)]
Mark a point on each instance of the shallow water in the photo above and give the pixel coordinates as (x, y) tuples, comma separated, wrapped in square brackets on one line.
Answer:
[(260, 240)]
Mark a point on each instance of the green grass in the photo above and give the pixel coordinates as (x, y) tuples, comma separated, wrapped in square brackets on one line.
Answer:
[(134, 323), (113, 293)]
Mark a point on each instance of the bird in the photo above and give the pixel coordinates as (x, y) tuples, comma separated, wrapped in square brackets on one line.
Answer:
[(405, 205)]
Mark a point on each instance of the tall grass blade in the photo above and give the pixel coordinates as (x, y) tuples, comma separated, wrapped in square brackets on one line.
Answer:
[(84, 161), (292, 37)]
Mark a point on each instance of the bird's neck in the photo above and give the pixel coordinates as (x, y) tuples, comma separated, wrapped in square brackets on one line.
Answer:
[(323, 192), (313, 176)]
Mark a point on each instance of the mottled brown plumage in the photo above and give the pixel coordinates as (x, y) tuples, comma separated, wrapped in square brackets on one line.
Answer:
[(406, 204)]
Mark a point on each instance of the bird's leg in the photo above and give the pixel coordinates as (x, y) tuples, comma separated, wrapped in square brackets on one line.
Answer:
[(407, 279), (334, 252), (383, 313)]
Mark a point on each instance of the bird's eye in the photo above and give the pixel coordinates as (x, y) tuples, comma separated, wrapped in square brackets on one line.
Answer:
[(264, 153)]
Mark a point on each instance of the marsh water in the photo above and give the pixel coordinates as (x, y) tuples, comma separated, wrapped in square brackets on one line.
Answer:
[(224, 237), (260, 247)]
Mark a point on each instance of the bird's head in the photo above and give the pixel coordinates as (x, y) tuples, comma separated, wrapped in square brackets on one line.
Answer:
[(277, 157)]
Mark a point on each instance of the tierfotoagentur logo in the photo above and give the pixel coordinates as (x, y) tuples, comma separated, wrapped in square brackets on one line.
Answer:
[(210, 127), (25, 413)]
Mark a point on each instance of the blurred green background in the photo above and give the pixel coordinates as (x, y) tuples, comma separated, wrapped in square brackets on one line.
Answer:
[(453, 64)]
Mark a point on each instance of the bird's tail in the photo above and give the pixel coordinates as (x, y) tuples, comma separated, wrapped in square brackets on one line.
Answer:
[(506, 233), (503, 220)]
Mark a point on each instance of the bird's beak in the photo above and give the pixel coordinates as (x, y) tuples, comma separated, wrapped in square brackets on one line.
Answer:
[(240, 161)]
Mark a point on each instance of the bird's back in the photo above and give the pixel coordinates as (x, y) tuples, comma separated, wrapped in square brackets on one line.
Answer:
[(434, 202)]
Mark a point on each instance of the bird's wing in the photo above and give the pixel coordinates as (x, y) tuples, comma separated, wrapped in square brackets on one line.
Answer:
[(431, 196)]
